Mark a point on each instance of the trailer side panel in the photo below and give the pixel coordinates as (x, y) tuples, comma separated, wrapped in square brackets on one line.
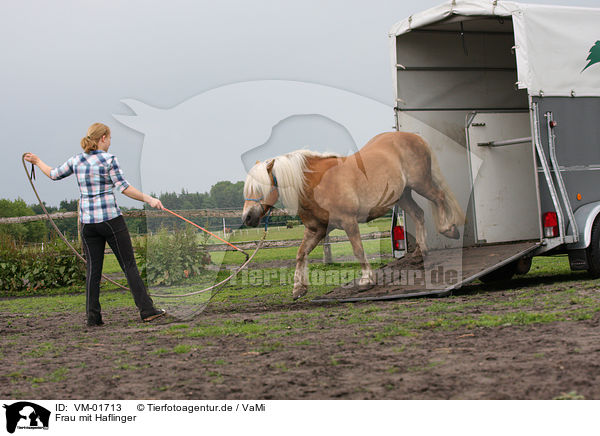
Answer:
[(577, 139)]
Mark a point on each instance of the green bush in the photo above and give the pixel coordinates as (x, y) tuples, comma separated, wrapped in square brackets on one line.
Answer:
[(292, 223), (170, 258), (26, 269)]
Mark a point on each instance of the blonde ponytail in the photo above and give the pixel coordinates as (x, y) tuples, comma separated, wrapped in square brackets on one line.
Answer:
[(94, 133)]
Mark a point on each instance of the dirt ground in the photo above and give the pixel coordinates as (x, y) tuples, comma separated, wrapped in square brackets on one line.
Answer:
[(383, 350)]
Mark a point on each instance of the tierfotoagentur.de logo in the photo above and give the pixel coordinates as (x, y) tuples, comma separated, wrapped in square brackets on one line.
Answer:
[(26, 416)]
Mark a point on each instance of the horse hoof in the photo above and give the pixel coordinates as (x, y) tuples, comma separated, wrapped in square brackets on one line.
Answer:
[(452, 233), (365, 286), (299, 293)]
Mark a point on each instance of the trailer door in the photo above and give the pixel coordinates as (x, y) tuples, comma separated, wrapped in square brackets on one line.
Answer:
[(505, 202)]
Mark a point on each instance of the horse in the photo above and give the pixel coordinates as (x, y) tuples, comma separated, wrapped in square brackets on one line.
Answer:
[(329, 191)]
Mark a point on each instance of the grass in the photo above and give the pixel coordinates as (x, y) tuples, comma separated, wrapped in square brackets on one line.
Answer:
[(58, 375), (281, 366), (216, 377), (16, 375), (390, 331), (55, 376), (268, 347), (45, 349), (260, 318), (233, 327), (127, 366), (182, 348), (573, 395), (111, 265), (542, 266), (62, 303), (530, 302), (304, 342), (341, 250), (297, 232), (525, 307)]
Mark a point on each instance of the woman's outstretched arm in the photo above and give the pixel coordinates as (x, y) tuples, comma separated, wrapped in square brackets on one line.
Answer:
[(34, 159), (57, 173), (132, 192)]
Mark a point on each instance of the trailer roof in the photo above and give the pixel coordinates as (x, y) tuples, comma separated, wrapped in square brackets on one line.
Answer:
[(557, 47)]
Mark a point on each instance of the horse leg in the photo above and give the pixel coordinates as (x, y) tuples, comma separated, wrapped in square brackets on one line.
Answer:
[(310, 240), (411, 207), (430, 191), (367, 279)]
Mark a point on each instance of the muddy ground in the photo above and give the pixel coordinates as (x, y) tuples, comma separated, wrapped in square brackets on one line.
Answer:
[(529, 339)]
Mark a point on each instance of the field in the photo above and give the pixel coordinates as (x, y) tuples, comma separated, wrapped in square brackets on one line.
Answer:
[(535, 337)]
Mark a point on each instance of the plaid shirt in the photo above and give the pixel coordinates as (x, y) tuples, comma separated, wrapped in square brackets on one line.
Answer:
[(98, 173)]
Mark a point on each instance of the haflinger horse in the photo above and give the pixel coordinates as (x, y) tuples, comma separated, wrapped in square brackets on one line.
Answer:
[(329, 192)]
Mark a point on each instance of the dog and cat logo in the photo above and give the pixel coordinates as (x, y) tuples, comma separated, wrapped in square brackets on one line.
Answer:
[(26, 415)]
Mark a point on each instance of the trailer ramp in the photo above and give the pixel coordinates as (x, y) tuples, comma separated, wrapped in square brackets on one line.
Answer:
[(441, 273)]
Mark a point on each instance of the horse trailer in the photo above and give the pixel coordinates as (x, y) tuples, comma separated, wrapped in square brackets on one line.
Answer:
[(508, 97)]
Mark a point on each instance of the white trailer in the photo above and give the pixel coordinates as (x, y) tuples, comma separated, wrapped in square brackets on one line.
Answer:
[(508, 97)]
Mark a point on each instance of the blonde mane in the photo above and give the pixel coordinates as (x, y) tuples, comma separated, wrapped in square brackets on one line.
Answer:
[(289, 171)]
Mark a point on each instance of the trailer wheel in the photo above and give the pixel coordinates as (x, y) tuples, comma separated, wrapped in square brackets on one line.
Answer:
[(523, 265), (503, 273), (593, 251)]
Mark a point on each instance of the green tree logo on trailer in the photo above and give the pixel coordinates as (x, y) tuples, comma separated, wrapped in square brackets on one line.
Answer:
[(594, 55)]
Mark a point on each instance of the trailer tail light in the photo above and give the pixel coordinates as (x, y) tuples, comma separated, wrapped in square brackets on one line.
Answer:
[(398, 236), (550, 221), (398, 233)]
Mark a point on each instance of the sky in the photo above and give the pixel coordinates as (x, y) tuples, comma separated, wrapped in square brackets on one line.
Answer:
[(67, 64)]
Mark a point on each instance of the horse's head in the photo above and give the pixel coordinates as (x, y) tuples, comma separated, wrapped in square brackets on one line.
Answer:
[(260, 192)]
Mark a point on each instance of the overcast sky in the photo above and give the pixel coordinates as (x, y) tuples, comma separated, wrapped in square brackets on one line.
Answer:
[(67, 64)]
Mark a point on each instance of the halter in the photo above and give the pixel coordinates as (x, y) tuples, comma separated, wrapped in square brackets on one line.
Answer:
[(274, 188)]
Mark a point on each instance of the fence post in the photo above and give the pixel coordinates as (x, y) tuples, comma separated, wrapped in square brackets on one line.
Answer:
[(327, 250)]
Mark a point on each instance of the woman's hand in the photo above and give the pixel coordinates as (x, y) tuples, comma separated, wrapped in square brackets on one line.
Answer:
[(30, 157), (154, 202), (132, 192)]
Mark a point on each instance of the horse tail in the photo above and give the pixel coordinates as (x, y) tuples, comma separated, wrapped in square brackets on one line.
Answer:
[(454, 213)]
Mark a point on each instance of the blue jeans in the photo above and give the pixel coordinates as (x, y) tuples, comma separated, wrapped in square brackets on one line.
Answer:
[(95, 236)]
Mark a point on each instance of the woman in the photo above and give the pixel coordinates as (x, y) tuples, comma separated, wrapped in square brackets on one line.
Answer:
[(98, 173)]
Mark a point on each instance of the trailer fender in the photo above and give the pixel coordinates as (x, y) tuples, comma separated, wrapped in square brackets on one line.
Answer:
[(585, 217)]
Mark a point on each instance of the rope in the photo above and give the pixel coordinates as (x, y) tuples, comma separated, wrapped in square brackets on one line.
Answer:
[(203, 229), (248, 260), (222, 282), (31, 178)]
